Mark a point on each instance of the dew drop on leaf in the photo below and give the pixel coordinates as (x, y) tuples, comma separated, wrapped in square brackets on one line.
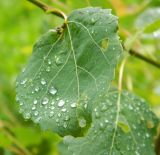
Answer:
[(36, 113), (49, 62), (35, 102), (59, 60), (36, 89), (52, 103), (27, 115), (43, 82), (61, 103), (52, 107), (82, 122), (23, 81), (48, 69), (21, 104), (73, 105), (64, 109), (53, 90), (33, 107), (51, 114), (102, 126), (59, 114), (66, 118), (65, 125), (45, 100)]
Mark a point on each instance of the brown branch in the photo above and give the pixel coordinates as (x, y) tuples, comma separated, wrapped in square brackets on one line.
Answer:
[(144, 58), (49, 9)]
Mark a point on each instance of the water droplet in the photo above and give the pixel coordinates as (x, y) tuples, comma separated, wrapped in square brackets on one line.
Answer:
[(85, 106), (92, 20), (65, 125), (49, 62), (82, 122), (52, 103), (130, 107), (104, 107), (64, 109), (45, 101), (21, 103), (23, 70), (147, 135), (59, 60), (137, 153), (95, 131), (35, 102), (23, 81), (59, 114), (36, 113), (73, 105), (97, 115), (27, 115), (51, 114), (92, 31), (43, 82), (36, 89), (34, 107), (102, 126), (48, 69), (52, 107), (44, 57), (37, 119), (106, 121), (20, 110), (61, 103), (66, 118), (53, 90)]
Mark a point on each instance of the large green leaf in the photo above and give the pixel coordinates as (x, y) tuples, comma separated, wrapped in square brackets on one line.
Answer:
[(69, 68), (122, 124)]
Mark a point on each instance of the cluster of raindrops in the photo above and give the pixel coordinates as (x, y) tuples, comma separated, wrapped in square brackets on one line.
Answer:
[(52, 108)]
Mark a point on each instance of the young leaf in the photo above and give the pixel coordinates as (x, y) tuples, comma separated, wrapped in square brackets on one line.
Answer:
[(122, 125), (68, 68)]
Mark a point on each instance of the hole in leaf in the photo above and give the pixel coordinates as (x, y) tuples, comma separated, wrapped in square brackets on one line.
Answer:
[(104, 44)]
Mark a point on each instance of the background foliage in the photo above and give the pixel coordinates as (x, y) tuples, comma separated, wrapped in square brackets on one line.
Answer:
[(21, 24)]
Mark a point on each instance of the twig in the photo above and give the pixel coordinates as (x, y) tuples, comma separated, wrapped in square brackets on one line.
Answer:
[(142, 57), (5, 128), (49, 9)]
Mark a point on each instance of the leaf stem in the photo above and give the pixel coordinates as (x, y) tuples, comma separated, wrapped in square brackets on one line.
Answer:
[(120, 80), (144, 58), (49, 9)]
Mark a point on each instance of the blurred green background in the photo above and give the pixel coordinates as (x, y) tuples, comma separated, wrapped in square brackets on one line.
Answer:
[(22, 23)]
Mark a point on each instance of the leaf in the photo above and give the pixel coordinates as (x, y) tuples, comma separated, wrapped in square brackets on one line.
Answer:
[(149, 21), (122, 125), (152, 27), (148, 17), (68, 69)]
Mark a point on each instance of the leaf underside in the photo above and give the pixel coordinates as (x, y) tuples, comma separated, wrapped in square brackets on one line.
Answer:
[(122, 125), (68, 70)]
